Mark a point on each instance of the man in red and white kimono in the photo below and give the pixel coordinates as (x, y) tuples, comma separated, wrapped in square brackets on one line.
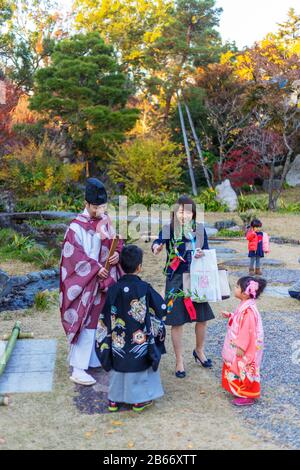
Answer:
[(84, 280)]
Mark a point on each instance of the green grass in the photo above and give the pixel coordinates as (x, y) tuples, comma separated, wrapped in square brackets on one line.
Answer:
[(289, 201), (16, 246), (227, 233), (42, 301)]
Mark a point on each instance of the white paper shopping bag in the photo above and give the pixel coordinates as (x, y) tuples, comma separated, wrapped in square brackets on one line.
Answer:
[(204, 274)]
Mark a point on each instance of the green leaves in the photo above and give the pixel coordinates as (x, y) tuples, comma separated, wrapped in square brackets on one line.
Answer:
[(85, 87)]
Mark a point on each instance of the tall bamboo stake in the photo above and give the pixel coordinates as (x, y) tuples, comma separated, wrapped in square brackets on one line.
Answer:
[(198, 145), (187, 148)]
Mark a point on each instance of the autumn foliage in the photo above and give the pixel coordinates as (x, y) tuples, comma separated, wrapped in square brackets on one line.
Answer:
[(9, 100)]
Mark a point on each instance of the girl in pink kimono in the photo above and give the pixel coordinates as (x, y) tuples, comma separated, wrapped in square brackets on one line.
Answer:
[(243, 347)]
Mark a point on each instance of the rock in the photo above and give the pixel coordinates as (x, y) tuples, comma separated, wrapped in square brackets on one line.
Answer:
[(18, 281), (211, 232), (227, 195), (293, 176), (294, 291), (34, 277), (221, 249), (5, 286), (46, 274), (7, 201), (225, 224), (236, 228)]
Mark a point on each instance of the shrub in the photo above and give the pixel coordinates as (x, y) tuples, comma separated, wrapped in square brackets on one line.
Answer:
[(208, 199), (224, 232), (64, 202), (242, 167), (259, 202), (41, 300), (42, 257), (147, 166), (6, 236), (36, 169)]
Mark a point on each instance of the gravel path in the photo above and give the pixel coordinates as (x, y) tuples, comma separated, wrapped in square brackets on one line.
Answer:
[(278, 411)]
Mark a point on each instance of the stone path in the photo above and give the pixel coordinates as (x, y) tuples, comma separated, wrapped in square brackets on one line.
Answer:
[(278, 410), (276, 276), (30, 368)]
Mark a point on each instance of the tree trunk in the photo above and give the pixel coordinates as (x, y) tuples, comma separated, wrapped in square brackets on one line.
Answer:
[(187, 149), (282, 180), (272, 202), (198, 146), (220, 165)]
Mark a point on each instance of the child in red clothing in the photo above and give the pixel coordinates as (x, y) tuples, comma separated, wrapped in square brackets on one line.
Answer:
[(256, 246)]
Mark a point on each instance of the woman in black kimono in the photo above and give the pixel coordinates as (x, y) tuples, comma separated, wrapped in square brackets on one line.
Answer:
[(182, 237)]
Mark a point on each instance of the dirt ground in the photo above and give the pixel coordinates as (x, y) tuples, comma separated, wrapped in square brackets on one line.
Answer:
[(195, 413)]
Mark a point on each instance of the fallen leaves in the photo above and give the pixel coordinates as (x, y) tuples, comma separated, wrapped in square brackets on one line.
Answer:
[(89, 434), (111, 431), (117, 423)]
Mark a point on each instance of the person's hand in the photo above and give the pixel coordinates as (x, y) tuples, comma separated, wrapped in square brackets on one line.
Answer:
[(240, 352), (157, 248), (103, 273), (226, 314), (199, 253), (114, 259)]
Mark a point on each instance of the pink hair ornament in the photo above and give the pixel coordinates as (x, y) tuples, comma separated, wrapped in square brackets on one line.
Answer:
[(252, 288)]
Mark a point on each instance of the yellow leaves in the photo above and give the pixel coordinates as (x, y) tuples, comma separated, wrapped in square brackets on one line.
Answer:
[(135, 54), (37, 168), (147, 164), (151, 36), (90, 434), (117, 423), (49, 179), (130, 24), (226, 57), (295, 47), (39, 45), (111, 431), (244, 66), (22, 114)]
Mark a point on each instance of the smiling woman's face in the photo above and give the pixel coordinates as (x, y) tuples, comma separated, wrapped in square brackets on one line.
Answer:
[(184, 215)]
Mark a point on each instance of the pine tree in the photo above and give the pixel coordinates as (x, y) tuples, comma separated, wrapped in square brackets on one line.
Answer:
[(84, 91)]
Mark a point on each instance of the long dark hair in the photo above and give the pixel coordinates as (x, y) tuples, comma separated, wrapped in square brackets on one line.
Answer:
[(183, 201)]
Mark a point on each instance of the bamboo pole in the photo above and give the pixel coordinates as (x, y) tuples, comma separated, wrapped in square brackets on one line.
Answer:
[(198, 145), (187, 148), (4, 400), (21, 336), (9, 347)]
